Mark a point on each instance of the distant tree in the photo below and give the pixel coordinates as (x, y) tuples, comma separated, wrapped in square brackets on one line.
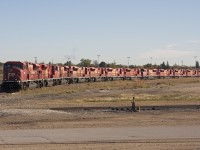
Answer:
[(108, 65), (163, 66), (167, 65), (103, 64), (175, 66), (84, 62), (156, 66), (68, 63), (111, 65), (197, 64), (121, 66), (147, 65), (132, 66), (95, 62), (60, 64)]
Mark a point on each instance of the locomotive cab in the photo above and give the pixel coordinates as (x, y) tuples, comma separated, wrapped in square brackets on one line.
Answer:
[(14, 73)]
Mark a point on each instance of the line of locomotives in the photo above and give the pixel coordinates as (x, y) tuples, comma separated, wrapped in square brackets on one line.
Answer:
[(22, 75)]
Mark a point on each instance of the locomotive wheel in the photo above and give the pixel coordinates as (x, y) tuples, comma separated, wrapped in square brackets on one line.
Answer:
[(40, 85), (54, 83), (70, 81), (11, 88), (45, 84), (24, 86)]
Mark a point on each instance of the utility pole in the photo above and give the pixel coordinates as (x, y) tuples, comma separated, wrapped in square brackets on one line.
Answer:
[(35, 60), (128, 61), (195, 57), (98, 60), (151, 59)]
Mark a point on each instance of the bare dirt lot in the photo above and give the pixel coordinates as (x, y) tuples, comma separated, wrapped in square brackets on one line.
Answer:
[(163, 102)]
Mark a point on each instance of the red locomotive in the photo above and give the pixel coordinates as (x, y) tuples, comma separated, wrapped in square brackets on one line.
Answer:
[(21, 75)]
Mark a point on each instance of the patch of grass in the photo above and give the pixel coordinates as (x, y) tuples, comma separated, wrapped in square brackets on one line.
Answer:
[(145, 97), (107, 100), (170, 97), (82, 87), (172, 81), (121, 85)]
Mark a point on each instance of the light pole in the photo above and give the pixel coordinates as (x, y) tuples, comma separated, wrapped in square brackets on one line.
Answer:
[(52, 61), (151, 59), (98, 60), (128, 61), (35, 59), (195, 57)]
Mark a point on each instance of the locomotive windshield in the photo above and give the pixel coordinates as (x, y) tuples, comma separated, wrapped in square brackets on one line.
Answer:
[(13, 65)]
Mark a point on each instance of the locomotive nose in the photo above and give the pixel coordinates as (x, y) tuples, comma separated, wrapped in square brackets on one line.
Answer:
[(13, 75)]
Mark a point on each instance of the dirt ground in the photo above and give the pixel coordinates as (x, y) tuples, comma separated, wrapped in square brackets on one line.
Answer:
[(106, 106), (154, 145)]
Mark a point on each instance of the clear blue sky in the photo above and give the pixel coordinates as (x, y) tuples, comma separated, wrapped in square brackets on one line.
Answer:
[(114, 29)]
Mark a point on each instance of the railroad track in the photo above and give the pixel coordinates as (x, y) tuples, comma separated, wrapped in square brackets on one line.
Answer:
[(128, 108)]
